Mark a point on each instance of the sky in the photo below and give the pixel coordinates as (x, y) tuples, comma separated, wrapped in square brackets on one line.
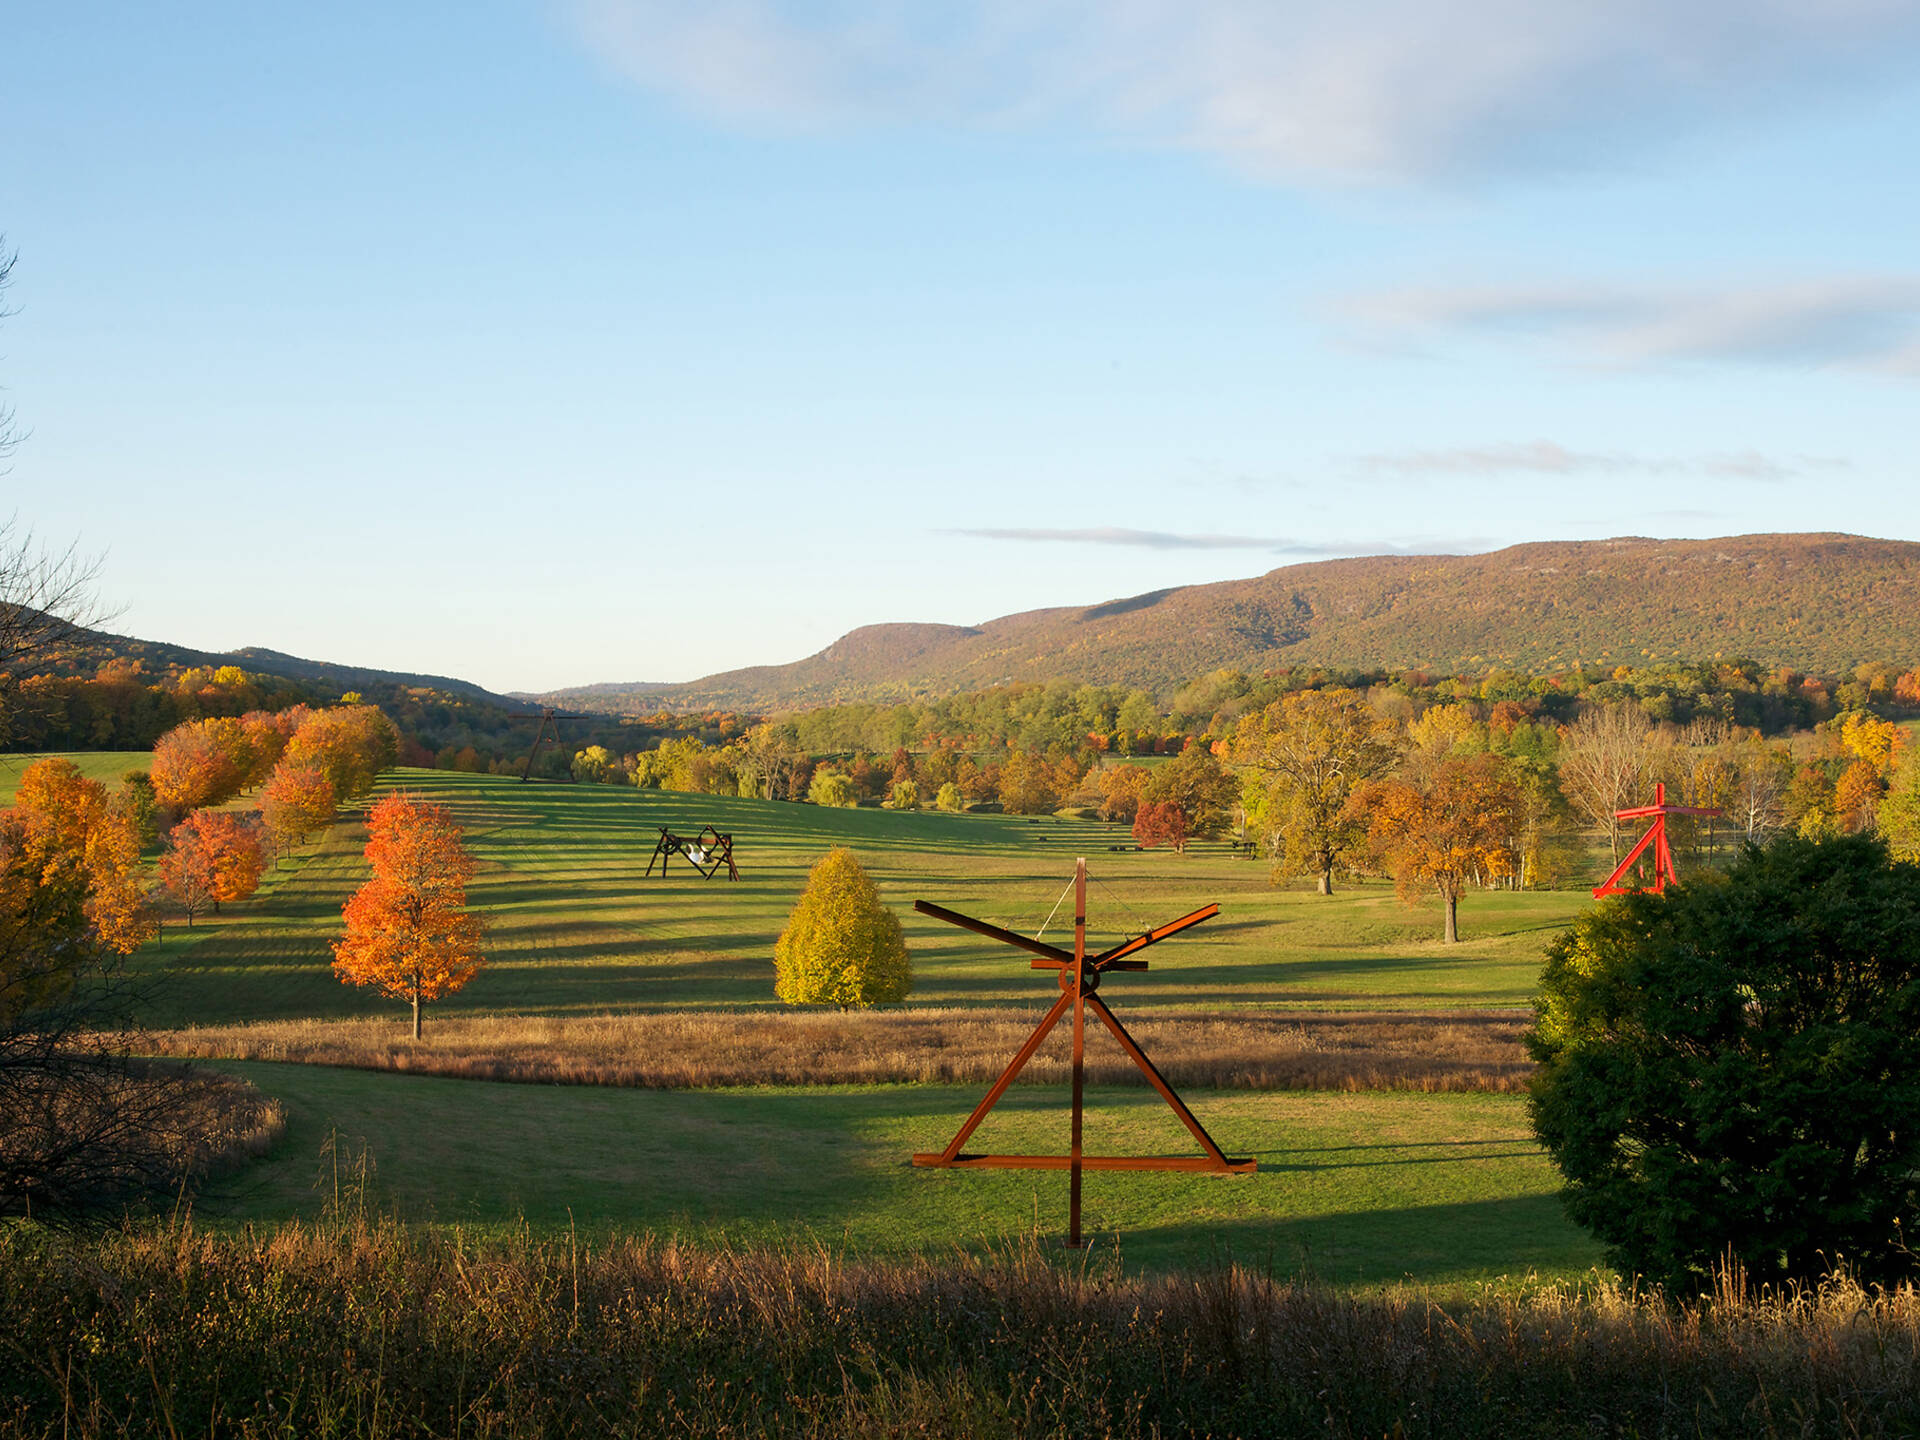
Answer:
[(565, 341)]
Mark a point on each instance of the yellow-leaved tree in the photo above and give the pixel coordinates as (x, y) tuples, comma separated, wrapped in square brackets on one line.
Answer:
[(842, 946)]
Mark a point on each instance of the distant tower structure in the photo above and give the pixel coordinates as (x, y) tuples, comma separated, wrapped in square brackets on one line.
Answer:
[(1655, 839), (549, 719)]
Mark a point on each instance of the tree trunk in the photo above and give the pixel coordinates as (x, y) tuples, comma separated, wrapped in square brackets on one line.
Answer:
[(1452, 903), (416, 1003), (1325, 887)]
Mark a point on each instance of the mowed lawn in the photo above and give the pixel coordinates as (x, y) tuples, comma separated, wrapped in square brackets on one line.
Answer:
[(106, 766), (579, 928), (1362, 1189)]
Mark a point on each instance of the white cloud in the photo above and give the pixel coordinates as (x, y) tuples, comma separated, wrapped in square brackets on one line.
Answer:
[(1145, 539), (1166, 540), (1863, 322), (1544, 457), (1342, 88)]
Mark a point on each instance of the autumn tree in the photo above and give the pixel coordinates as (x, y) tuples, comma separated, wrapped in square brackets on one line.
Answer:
[(1160, 823), (1121, 789), (349, 744), (296, 802), (212, 856), (1880, 743), (1306, 756), (266, 737), (74, 821), (905, 796), (1198, 784), (409, 934), (192, 768), (1453, 832), (841, 945), (768, 757), (1028, 785)]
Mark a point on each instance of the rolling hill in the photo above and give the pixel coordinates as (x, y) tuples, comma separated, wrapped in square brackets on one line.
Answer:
[(1818, 603)]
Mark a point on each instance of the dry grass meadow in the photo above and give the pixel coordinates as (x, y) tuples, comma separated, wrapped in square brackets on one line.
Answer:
[(1444, 1051)]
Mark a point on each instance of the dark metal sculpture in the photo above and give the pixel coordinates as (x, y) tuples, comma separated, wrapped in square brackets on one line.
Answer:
[(1655, 839), (1080, 975), (705, 852), (548, 717)]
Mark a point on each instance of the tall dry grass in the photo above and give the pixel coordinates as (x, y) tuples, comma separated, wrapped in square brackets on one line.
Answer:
[(1464, 1050), (357, 1328), (104, 1132)]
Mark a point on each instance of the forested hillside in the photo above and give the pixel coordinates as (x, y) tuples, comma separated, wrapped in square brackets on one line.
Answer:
[(1818, 603)]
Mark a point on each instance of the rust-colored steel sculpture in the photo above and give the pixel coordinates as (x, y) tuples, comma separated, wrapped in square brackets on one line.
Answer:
[(705, 852), (1079, 980), (549, 719), (1655, 839)]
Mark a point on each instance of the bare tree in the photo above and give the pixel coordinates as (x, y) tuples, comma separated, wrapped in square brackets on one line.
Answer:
[(1607, 758), (46, 594), (9, 437), (1761, 776)]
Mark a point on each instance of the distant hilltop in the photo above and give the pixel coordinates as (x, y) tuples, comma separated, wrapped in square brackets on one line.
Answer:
[(1819, 603)]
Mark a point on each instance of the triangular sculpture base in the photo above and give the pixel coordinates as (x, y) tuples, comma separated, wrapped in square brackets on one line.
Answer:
[(1079, 979)]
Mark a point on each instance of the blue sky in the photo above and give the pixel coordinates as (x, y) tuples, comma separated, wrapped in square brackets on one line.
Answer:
[(546, 343)]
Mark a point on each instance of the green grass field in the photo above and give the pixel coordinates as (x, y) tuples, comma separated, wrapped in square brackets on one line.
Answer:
[(1357, 1189), (578, 928), (106, 766)]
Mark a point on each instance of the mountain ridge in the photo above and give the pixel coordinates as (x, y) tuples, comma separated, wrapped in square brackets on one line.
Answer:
[(1818, 602)]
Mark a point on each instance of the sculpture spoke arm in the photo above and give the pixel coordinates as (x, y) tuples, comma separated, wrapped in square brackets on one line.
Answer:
[(994, 932), (1109, 960)]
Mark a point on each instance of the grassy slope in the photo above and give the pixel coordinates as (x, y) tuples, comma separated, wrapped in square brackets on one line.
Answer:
[(1359, 1188), (106, 766), (579, 929), (1369, 1188)]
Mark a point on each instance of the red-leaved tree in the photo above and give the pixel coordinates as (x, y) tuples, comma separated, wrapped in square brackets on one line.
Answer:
[(409, 934), (1161, 824)]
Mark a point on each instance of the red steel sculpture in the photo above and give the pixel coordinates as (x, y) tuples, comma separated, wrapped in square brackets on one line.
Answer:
[(1655, 839), (1079, 980)]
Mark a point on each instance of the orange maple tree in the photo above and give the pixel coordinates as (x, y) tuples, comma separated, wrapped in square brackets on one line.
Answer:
[(1454, 832), (199, 763), (409, 934), (212, 856), (297, 801), (80, 831)]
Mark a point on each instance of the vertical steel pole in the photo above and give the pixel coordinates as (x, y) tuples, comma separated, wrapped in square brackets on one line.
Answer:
[(1079, 1046)]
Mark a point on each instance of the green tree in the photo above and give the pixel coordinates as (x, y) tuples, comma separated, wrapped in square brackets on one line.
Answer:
[(830, 787), (1900, 813), (905, 796), (949, 798), (1734, 1067), (842, 946), (595, 764), (1307, 754)]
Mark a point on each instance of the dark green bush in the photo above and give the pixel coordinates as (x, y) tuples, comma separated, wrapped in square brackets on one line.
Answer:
[(1733, 1068)]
